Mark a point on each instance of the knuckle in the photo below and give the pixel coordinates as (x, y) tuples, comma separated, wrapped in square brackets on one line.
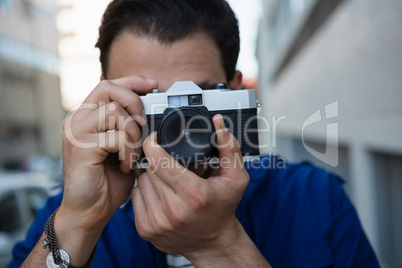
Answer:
[(177, 216), (144, 230), (123, 136), (155, 228), (198, 200), (242, 183), (136, 105), (104, 87), (159, 225), (104, 84), (178, 220), (131, 127), (136, 134), (112, 109), (112, 106), (235, 145)]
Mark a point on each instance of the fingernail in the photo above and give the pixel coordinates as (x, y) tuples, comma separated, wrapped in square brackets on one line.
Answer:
[(219, 119), (150, 80)]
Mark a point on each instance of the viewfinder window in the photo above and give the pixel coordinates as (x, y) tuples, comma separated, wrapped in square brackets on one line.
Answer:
[(195, 99)]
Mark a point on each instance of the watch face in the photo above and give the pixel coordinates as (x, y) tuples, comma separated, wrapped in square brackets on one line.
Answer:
[(64, 257)]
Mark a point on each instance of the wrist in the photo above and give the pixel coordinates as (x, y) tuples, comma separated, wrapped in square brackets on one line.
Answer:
[(233, 249), (222, 247), (78, 242)]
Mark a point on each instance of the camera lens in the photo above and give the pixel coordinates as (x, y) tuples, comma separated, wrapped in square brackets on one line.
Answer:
[(186, 133)]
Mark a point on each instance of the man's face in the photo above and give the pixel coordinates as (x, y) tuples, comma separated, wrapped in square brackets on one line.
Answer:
[(195, 58)]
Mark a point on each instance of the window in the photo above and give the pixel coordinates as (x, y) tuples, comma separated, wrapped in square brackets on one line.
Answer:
[(388, 182), (10, 219), (36, 199), (5, 6)]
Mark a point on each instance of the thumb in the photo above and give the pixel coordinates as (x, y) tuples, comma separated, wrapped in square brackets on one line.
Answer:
[(231, 161)]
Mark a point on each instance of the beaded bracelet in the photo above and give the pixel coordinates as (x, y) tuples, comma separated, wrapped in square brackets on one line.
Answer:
[(58, 257)]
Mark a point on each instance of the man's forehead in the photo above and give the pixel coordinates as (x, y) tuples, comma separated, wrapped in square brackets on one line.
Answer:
[(196, 59)]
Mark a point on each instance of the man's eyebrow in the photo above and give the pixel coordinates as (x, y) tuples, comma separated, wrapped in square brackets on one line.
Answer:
[(205, 85)]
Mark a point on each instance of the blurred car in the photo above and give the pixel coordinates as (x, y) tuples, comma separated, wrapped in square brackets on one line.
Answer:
[(21, 195)]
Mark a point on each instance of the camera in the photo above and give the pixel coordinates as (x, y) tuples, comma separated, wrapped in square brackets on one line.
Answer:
[(182, 117)]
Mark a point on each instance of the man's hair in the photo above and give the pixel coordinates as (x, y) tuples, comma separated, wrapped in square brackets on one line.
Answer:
[(169, 21)]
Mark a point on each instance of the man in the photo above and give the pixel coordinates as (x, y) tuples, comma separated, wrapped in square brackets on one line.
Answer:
[(291, 216)]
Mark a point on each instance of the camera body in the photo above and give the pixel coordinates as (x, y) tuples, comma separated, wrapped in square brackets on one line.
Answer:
[(182, 117)]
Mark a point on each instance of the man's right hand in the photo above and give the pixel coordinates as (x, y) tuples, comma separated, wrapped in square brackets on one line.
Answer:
[(107, 124)]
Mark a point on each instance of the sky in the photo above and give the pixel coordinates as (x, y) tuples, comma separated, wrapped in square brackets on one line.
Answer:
[(80, 68), (248, 13)]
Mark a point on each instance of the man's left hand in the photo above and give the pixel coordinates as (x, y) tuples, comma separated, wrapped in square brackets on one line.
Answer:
[(180, 212)]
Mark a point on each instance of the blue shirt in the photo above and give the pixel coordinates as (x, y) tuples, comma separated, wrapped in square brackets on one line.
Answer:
[(296, 214)]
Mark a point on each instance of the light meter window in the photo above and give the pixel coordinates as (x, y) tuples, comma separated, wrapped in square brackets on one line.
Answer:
[(195, 99)]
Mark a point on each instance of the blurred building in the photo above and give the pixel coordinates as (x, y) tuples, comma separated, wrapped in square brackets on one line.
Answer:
[(30, 104), (330, 84)]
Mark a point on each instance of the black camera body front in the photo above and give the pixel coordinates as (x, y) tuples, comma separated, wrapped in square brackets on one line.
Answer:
[(182, 117)]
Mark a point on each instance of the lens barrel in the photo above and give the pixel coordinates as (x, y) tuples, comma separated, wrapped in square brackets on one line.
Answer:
[(187, 133)]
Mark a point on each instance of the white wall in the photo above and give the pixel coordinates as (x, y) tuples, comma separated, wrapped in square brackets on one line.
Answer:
[(355, 59)]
